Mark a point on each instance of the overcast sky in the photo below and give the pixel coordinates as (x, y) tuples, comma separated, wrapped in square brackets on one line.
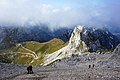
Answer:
[(60, 12)]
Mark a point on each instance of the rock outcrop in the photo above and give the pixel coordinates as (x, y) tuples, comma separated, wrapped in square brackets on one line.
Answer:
[(116, 54), (117, 50), (84, 40), (75, 46)]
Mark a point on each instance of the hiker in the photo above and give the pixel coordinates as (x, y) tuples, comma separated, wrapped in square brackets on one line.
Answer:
[(29, 69), (93, 65), (89, 66)]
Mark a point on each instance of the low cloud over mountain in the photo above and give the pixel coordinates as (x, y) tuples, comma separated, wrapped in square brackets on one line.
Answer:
[(55, 14)]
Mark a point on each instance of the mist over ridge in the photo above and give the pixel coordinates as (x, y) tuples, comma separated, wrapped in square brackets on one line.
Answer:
[(56, 14)]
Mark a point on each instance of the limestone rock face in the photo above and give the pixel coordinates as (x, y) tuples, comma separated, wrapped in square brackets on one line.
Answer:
[(84, 40), (76, 42), (75, 46)]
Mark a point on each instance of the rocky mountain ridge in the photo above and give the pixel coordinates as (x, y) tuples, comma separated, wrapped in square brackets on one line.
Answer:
[(83, 40)]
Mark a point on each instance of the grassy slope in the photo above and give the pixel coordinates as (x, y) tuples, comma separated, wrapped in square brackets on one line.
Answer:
[(39, 48)]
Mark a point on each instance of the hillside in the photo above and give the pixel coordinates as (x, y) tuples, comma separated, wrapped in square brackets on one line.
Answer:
[(41, 33), (30, 52), (75, 67), (84, 40)]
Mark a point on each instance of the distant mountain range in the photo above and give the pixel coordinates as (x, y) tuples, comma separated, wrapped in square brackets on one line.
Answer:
[(41, 33), (11, 35), (39, 45)]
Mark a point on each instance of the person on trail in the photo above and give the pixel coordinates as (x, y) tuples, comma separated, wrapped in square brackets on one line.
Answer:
[(93, 65), (29, 69), (89, 66)]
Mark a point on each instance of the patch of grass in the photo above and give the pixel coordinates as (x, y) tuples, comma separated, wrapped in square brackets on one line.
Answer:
[(5, 58), (32, 45), (41, 49), (22, 59)]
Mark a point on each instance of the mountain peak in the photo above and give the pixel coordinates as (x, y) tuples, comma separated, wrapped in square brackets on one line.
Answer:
[(80, 27), (75, 39), (75, 46)]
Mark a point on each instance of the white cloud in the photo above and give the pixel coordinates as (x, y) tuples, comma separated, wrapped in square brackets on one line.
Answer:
[(19, 12)]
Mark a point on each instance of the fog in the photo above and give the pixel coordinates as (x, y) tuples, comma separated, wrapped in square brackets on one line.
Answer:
[(63, 13)]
